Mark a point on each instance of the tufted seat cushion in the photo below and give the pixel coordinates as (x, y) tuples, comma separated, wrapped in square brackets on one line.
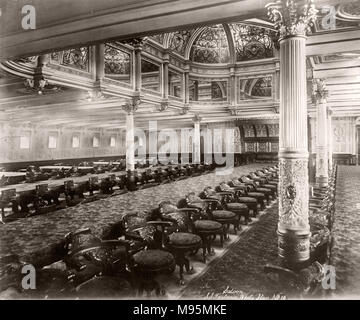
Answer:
[(154, 259), (223, 214), (184, 239), (247, 199), (256, 194), (237, 206), (207, 225), (263, 190), (270, 186)]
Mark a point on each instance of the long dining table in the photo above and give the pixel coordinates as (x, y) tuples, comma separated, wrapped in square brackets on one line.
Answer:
[(23, 187)]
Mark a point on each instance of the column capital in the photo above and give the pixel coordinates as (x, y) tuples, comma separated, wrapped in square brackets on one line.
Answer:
[(166, 56), (235, 111), (137, 43), (319, 92), (96, 93), (164, 105), (184, 110), (197, 118), (131, 105), (292, 18), (187, 66)]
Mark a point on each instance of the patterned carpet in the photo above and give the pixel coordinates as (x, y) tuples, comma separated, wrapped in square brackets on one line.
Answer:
[(239, 273), (27, 236), (346, 251)]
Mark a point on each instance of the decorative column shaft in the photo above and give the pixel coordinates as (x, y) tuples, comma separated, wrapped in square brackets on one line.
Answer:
[(166, 77), (137, 66), (130, 108), (330, 139), (196, 142), (232, 87), (322, 151), (292, 20), (99, 62), (357, 132), (130, 144), (186, 84)]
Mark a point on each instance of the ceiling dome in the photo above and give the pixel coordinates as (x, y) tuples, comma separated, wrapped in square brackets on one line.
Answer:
[(220, 43)]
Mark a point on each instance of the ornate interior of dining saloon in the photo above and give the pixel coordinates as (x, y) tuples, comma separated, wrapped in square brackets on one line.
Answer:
[(176, 149)]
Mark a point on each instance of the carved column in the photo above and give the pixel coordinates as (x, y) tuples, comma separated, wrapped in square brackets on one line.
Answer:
[(130, 108), (330, 138), (292, 20), (322, 152), (196, 156)]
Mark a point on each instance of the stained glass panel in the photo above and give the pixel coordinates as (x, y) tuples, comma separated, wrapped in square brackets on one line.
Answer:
[(117, 63), (219, 90), (252, 42), (178, 41), (262, 88), (211, 46), (255, 88)]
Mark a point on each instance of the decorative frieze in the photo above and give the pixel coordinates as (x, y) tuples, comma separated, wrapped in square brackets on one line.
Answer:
[(261, 131)]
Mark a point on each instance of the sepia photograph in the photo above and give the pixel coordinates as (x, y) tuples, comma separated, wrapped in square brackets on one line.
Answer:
[(179, 150)]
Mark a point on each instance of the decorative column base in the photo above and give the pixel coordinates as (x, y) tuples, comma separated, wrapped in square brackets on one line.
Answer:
[(322, 181), (293, 248), (131, 180)]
